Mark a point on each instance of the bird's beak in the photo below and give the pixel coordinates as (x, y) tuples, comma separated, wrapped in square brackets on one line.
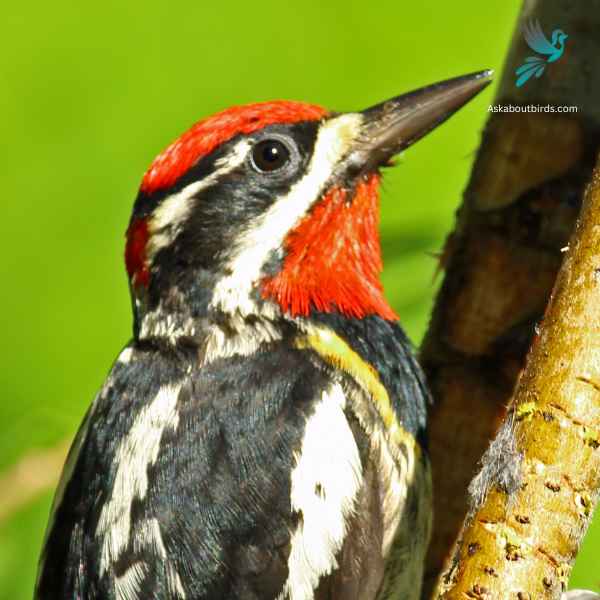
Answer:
[(390, 127)]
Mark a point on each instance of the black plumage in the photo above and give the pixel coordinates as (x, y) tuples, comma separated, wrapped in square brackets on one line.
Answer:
[(220, 485)]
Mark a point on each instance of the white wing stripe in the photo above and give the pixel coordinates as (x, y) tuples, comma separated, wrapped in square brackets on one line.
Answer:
[(325, 482), (138, 450)]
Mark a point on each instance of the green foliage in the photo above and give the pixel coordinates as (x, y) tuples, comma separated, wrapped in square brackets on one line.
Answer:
[(92, 91)]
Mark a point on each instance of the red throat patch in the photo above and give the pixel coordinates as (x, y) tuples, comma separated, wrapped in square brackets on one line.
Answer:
[(333, 260), (206, 135)]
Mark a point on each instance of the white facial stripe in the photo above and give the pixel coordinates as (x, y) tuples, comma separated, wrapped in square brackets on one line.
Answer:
[(138, 449), (325, 482), (233, 292), (173, 210)]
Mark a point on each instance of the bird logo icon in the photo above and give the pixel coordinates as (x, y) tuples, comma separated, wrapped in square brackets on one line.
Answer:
[(538, 42)]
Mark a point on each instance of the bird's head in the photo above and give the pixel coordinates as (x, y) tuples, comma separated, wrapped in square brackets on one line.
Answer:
[(559, 37), (276, 204)]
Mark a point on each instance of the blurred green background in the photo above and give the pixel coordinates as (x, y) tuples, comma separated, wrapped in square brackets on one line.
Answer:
[(92, 91)]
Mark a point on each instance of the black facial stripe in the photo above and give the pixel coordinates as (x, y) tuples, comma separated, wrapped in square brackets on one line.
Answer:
[(304, 135), (221, 212)]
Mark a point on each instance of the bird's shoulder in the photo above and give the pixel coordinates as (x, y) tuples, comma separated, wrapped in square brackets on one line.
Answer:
[(383, 348)]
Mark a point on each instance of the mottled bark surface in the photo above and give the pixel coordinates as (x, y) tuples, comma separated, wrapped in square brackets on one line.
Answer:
[(539, 484), (502, 259)]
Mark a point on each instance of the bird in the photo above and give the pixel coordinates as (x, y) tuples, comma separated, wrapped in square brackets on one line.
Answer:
[(537, 41), (263, 434)]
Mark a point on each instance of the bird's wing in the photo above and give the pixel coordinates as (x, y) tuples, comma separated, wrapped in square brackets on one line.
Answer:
[(245, 479), (535, 38), (101, 480)]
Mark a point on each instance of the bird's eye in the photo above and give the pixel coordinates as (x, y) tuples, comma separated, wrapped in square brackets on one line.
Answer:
[(270, 155)]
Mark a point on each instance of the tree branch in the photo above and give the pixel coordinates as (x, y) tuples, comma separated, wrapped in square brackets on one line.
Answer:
[(541, 476)]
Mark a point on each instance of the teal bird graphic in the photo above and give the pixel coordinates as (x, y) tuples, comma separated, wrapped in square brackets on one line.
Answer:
[(537, 41)]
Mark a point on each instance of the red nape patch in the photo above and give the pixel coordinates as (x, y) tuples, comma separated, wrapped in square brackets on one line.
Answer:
[(210, 133), (333, 259), (135, 252)]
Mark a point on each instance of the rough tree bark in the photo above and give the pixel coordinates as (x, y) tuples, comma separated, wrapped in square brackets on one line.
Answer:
[(540, 480), (502, 258)]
